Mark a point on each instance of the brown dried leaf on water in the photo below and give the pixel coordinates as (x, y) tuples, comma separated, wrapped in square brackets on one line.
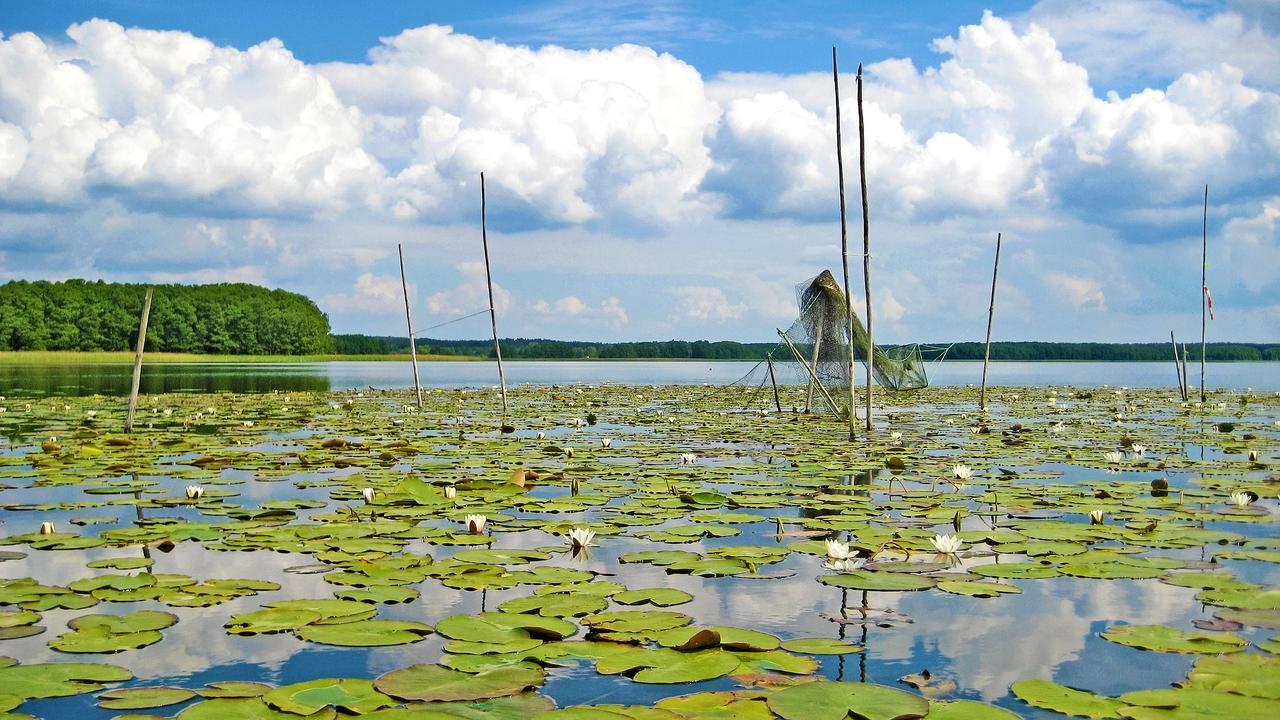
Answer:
[(870, 616), (1218, 624), (928, 685)]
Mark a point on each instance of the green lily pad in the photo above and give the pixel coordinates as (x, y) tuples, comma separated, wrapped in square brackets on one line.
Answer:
[(351, 694), (820, 646), (1181, 703), (435, 682), (366, 633), (1065, 700), (662, 597), (141, 698), (836, 700), (967, 710), (977, 589), (46, 680), (1166, 639), (243, 709), (878, 581)]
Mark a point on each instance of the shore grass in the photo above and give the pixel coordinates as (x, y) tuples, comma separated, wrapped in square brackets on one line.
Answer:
[(40, 357)]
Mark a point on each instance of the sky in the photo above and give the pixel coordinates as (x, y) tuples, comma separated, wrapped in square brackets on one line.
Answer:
[(657, 169)]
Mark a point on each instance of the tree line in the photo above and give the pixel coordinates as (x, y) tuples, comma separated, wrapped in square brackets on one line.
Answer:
[(222, 319), (542, 349)]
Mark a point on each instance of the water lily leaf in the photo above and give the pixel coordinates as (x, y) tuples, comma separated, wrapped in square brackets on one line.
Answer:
[(1251, 598), (1013, 571), (879, 581), (1181, 703), (1110, 571), (836, 700), (977, 589), (1166, 639), (270, 620), (1241, 673), (637, 620), (1253, 618), (46, 680), (351, 694), (820, 646), (662, 597), (435, 682), (967, 710), (1065, 700), (566, 604), (140, 698), (366, 633), (331, 611), (132, 622), (243, 709), (234, 689), (665, 666)]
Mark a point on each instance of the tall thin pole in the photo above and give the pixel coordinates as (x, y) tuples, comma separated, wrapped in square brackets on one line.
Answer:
[(1185, 382), (493, 318), (774, 381), (991, 312), (1204, 287), (137, 361), (866, 245), (844, 253), (1182, 388), (413, 344)]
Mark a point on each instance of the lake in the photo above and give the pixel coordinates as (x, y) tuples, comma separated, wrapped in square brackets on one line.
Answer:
[(708, 589), (114, 379)]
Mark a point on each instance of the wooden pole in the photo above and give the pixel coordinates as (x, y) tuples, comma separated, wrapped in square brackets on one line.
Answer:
[(413, 344), (866, 246), (844, 252), (812, 375), (1204, 287), (1185, 381), (493, 318), (1182, 389), (777, 403), (991, 311), (137, 361)]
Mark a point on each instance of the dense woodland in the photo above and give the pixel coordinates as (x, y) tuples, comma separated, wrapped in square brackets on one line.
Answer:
[(230, 319), (540, 349)]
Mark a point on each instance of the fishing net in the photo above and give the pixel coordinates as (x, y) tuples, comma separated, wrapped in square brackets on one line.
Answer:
[(814, 355)]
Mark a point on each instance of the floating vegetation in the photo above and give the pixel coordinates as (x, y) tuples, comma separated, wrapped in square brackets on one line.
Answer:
[(672, 554)]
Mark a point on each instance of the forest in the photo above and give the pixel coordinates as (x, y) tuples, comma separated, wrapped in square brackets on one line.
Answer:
[(225, 318), (542, 349)]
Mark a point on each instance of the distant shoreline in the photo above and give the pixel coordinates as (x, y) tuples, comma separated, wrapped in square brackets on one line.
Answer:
[(38, 357)]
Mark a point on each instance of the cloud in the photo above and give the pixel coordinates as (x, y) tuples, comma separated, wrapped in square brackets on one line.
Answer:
[(1083, 293), (169, 118), (1252, 247), (605, 136), (372, 294), (1150, 41), (706, 303), (610, 310), (469, 296)]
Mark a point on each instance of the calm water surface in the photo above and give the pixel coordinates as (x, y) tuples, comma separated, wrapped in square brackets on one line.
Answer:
[(88, 379)]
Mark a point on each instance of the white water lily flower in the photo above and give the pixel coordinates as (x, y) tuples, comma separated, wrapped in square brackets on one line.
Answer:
[(580, 537), (246, 423), (837, 550), (945, 544), (475, 523), (90, 413), (605, 442), (1241, 499), (194, 492), (542, 436), (1114, 456), (1139, 450), (1253, 456), (1057, 428), (895, 436), (450, 492), (845, 565), (1095, 517), (962, 472), (46, 528), (671, 418), (568, 452), (367, 494), (688, 459)]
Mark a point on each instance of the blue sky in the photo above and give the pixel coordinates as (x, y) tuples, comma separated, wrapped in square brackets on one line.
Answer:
[(656, 169)]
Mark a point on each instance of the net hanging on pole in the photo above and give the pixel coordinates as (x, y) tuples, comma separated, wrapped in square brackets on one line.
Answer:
[(820, 337)]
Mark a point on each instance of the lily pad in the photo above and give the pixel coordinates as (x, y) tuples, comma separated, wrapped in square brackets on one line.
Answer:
[(836, 700), (1166, 639), (435, 682)]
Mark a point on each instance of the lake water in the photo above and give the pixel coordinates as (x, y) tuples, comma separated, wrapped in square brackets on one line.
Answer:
[(114, 379), (282, 507)]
